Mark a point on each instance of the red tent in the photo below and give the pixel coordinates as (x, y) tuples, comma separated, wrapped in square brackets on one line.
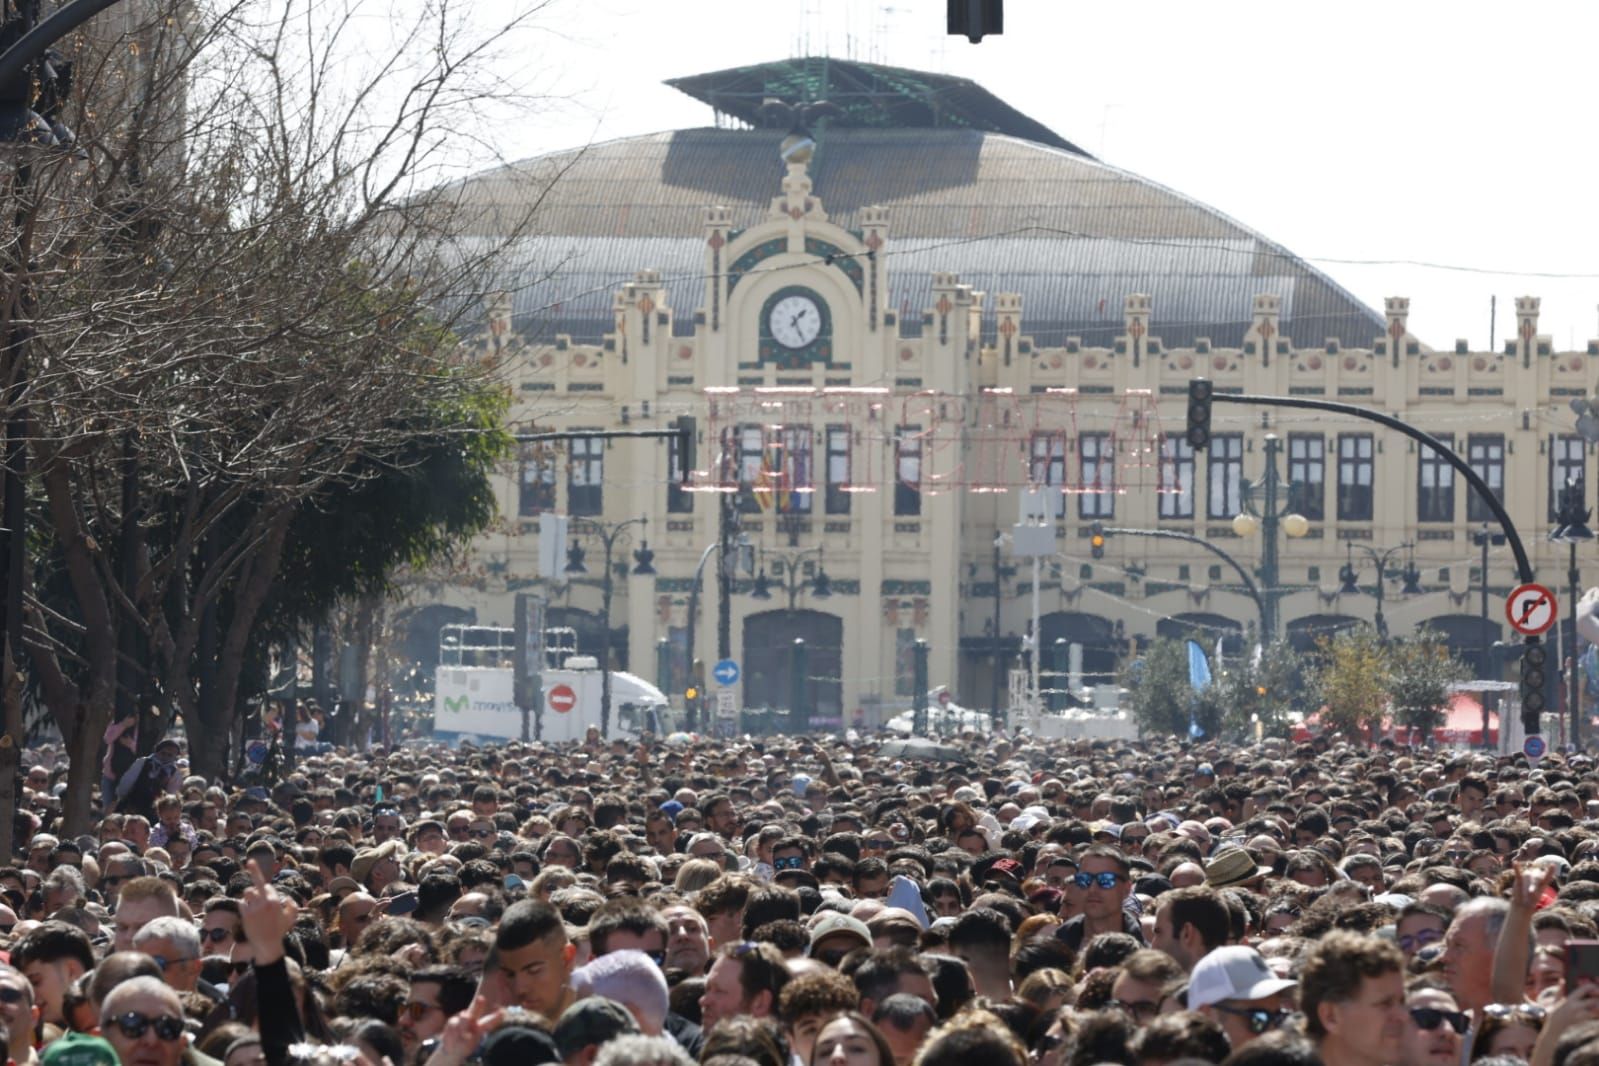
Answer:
[(1462, 725)]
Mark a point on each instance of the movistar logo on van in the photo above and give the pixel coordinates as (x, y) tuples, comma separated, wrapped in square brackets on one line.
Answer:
[(458, 704)]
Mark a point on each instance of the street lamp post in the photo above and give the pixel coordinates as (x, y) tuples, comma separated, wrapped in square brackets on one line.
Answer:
[(643, 559), (1348, 575), (1483, 538), (728, 541), (1268, 517), (1573, 530), (1001, 572), (786, 565)]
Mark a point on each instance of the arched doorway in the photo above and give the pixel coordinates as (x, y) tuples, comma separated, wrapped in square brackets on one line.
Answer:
[(1470, 638), (1303, 633), (1205, 628), (1102, 642), (768, 669)]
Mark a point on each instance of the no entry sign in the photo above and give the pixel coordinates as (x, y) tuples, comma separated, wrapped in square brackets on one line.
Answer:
[(561, 699)]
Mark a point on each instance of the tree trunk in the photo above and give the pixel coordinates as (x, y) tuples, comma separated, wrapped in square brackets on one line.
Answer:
[(10, 754), (221, 710), (208, 750), (83, 771)]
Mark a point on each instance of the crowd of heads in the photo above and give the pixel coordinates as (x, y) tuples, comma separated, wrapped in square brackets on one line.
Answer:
[(815, 900)]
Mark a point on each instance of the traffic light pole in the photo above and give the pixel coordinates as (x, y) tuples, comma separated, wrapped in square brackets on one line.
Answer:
[(1202, 393)]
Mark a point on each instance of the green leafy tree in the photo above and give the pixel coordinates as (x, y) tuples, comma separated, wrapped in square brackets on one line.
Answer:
[(1158, 683), (1353, 681), (1420, 673)]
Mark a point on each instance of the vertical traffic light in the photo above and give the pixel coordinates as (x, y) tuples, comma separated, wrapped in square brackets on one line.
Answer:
[(1096, 540), (972, 19), (1199, 393), (686, 432), (1532, 681)]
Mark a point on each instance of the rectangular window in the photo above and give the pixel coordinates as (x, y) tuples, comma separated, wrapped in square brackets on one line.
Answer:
[(1047, 465), (678, 499), (1225, 476), (1356, 467), (1307, 475), (536, 483), (1097, 466), (788, 471), (585, 477), (908, 471), (1435, 483), (1176, 477), (750, 453), (1567, 461), (838, 473), (1486, 454)]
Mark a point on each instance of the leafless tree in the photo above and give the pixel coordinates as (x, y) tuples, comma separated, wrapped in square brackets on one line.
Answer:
[(236, 295)]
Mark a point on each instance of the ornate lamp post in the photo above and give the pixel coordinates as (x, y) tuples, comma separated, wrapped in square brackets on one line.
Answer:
[(643, 559), (1272, 513), (786, 565), (1348, 574)]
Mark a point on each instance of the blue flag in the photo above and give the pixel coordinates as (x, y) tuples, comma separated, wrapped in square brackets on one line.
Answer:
[(1198, 667), (1198, 679)]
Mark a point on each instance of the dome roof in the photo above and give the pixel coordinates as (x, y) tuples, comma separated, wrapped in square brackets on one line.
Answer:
[(1071, 234)]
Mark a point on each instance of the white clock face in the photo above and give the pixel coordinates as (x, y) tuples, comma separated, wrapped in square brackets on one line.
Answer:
[(795, 321)]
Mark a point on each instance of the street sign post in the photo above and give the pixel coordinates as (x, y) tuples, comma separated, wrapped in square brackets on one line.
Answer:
[(726, 672), (561, 699), (1531, 609), (726, 712)]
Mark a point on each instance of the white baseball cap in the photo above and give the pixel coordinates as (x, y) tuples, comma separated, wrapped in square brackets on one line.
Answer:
[(1233, 973)]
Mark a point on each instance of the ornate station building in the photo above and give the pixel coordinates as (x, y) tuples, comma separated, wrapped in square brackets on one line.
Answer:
[(904, 316)]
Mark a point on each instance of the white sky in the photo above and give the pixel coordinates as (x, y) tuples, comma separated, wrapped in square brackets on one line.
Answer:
[(1419, 132)]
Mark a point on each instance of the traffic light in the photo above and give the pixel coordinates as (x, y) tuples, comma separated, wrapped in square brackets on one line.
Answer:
[(686, 433), (1096, 540), (972, 19), (1199, 393), (1533, 657)]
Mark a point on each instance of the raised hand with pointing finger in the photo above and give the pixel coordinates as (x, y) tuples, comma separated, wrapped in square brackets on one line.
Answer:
[(267, 916)]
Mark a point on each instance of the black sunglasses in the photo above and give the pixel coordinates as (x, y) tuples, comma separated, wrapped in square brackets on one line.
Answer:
[(216, 935), (1429, 1018), (1256, 1019), (133, 1025), (480, 834)]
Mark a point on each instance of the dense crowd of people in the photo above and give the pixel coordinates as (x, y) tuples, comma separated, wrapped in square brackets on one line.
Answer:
[(813, 900)]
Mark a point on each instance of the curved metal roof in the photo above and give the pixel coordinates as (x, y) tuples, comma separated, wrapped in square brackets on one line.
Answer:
[(1073, 235)]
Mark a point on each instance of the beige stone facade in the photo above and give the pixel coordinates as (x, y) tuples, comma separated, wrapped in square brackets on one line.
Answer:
[(900, 445)]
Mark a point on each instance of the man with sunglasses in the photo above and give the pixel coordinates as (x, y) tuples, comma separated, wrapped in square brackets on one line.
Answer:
[(1437, 1028), (1235, 988), (437, 994), (1104, 882), (143, 1021)]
